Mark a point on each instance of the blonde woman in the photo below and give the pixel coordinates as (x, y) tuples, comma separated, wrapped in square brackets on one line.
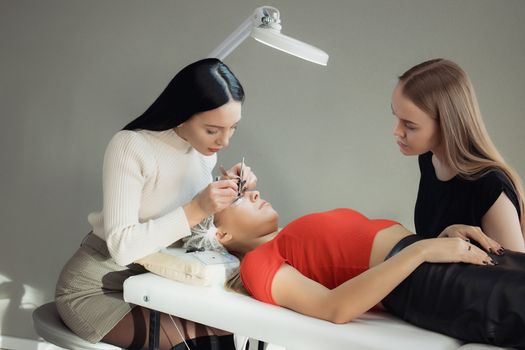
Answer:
[(464, 179), (336, 265)]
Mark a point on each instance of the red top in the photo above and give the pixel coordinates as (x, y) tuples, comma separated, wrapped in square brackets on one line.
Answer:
[(329, 247)]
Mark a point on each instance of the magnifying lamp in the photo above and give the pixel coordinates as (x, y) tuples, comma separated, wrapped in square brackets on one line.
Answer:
[(265, 26)]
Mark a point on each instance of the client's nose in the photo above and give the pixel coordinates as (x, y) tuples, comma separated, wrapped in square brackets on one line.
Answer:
[(253, 195)]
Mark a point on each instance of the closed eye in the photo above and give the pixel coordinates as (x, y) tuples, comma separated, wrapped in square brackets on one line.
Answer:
[(410, 126)]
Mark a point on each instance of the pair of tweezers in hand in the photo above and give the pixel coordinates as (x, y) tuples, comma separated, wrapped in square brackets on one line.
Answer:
[(240, 183)]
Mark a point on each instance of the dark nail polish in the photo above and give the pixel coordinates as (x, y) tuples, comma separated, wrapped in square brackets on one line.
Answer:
[(485, 262)]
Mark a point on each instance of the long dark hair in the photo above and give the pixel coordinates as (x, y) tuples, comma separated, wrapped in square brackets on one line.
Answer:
[(201, 86)]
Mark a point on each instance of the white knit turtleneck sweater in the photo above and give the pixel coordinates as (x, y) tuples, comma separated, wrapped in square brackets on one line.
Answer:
[(147, 177)]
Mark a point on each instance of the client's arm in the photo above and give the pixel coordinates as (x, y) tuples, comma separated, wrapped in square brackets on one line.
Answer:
[(293, 290)]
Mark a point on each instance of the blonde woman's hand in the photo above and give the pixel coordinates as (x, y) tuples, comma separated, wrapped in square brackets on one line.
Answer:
[(248, 175), (215, 197), (452, 250), (475, 233)]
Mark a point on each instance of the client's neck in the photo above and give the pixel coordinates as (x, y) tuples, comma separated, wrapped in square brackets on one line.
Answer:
[(243, 247)]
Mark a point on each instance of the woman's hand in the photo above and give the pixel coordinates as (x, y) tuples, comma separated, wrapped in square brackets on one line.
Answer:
[(248, 175), (452, 250), (215, 197), (467, 233)]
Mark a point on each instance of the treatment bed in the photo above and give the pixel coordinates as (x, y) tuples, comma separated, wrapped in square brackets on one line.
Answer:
[(243, 315)]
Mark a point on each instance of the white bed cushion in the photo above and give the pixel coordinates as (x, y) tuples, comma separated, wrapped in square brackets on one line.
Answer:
[(196, 268)]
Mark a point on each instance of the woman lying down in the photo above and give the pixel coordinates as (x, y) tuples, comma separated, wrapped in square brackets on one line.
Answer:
[(338, 264)]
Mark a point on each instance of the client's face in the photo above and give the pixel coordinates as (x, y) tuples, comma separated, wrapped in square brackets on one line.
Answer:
[(253, 217)]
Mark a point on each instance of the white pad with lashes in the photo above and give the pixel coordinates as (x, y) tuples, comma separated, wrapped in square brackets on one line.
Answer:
[(207, 268)]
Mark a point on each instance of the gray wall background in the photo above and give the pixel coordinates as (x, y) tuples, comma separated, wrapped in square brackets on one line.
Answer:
[(72, 73)]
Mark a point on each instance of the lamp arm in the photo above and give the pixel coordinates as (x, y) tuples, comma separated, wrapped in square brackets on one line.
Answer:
[(265, 26), (233, 40)]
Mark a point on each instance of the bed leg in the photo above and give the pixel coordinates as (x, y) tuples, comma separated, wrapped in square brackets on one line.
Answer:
[(154, 330)]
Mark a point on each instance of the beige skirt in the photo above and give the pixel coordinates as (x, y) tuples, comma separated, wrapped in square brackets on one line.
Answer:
[(89, 290)]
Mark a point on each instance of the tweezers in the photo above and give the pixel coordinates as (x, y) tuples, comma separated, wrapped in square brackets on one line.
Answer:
[(240, 186), (239, 177), (240, 182)]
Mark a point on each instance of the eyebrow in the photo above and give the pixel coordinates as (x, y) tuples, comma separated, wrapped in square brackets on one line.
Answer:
[(400, 118)]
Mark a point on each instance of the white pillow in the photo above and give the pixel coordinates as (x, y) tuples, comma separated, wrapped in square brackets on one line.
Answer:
[(198, 268)]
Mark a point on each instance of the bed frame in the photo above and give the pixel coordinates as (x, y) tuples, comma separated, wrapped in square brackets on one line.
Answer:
[(243, 315)]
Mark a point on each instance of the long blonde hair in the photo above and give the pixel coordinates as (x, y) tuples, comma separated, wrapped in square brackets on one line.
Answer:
[(235, 283), (442, 89)]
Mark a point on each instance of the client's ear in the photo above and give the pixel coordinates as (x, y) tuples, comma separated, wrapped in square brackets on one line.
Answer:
[(223, 237)]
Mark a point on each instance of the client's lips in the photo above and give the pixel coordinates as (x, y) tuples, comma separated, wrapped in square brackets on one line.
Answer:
[(401, 144), (263, 204)]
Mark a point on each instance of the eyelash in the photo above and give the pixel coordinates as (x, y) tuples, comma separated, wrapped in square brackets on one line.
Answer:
[(214, 132), (409, 127)]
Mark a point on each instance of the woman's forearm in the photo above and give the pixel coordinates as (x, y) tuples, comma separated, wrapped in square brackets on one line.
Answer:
[(291, 289), (194, 213), (361, 293)]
